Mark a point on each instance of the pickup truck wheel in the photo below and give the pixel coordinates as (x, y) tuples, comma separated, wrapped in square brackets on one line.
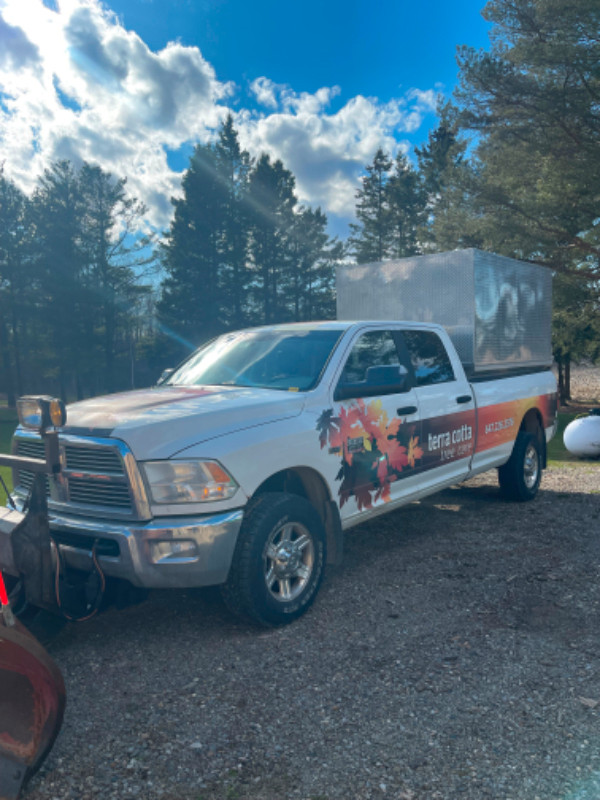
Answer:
[(521, 475), (278, 561)]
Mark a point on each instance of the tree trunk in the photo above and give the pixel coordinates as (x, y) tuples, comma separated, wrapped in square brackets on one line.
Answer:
[(16, 348), (109, 343), (6, 366), (561, 382)]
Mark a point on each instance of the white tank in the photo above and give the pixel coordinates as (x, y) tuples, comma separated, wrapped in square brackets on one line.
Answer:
[(582, 436)]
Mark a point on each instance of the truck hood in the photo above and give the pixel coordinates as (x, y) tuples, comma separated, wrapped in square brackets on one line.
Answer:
[(162, 421)]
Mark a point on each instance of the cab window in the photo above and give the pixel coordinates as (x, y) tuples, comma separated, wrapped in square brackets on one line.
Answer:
[(430, 361)]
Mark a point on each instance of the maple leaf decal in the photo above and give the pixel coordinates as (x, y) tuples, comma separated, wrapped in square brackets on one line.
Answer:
[(363, 496), (414, 451), (383, 493), (328, 427), (383, 472), (368, 470)]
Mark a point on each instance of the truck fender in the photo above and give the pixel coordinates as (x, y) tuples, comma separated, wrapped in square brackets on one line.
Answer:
[(308, 483), (532, 423)]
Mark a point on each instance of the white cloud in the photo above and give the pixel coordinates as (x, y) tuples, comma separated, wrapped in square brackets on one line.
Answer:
[(74, 83), (77, 85), (265, 92), (328, 151), (17, 51)]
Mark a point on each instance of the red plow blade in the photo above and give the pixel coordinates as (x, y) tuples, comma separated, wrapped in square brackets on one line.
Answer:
[(32, 702)]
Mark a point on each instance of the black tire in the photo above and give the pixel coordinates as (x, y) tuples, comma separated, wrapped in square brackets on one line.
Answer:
[(279, 560), (521, 475)]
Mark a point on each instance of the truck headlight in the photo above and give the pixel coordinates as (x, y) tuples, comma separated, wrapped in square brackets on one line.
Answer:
[(188, 481)]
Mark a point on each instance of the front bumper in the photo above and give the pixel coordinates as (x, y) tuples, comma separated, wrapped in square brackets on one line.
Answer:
[(170, 552)]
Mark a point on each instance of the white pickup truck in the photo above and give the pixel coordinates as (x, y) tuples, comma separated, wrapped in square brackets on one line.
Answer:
[(246, 464)]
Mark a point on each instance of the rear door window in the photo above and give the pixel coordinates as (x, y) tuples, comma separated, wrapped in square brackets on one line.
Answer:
[(429, 359)]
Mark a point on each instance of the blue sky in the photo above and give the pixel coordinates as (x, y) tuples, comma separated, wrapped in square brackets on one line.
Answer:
[(370, 48), (133, 84)]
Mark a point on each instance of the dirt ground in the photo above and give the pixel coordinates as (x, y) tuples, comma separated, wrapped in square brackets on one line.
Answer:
[(585, 386)]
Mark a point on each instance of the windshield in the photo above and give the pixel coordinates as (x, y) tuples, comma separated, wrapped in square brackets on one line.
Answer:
[(276, 358)]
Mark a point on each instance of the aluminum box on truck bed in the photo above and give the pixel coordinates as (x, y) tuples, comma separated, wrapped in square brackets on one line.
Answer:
[(497, 310)]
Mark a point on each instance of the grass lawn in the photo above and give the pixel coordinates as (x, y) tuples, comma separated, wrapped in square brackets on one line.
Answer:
[(8, 422)]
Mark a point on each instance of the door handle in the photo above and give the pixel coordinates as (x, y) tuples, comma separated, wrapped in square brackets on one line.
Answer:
[(464, 398), (406, 410)]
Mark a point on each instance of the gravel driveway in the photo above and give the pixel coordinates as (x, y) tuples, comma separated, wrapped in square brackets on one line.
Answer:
[(456, 654)]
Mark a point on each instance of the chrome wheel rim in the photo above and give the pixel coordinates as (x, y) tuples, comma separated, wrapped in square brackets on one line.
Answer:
[(289, 559), (531, 467)]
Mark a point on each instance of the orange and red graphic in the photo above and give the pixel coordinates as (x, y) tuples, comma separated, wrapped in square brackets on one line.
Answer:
[(375, 450), (500, 423)]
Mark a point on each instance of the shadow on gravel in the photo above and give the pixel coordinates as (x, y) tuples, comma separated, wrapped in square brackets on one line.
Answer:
[(529, 567)]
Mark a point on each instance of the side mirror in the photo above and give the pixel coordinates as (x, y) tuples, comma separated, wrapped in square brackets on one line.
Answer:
[(165, 374), (379, 380)]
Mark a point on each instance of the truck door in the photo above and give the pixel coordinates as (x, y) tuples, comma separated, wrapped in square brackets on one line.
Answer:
[(446, 407), (376, 425)]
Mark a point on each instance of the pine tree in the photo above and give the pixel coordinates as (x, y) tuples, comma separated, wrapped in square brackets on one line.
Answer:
[(370, 239), (406, 208), (205, 252), (310, 285), (71, 270), (240, 250), (233, 165), (439, 162), (442, 151), (191, 302), (57, 213), (531, 103), (117, 257), (15, 290), (271, 201)]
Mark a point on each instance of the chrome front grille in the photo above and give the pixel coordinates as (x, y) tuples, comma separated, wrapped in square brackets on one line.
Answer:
[(93, 459), (26, 480), (83, 490), (96, 476), (31, 448)]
